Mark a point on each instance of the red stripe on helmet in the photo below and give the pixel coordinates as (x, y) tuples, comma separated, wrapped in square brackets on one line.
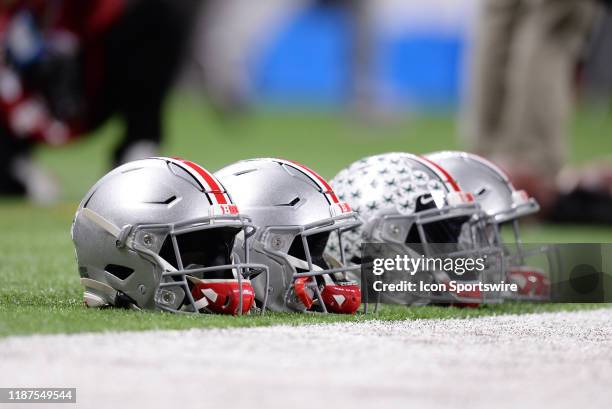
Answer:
[(447, 175), (327, 188), (215, 187)]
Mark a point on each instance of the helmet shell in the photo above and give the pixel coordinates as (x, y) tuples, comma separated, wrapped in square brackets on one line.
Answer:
[(286, 201), (490, 186), (275, 193), (160, 191), (388, 184)]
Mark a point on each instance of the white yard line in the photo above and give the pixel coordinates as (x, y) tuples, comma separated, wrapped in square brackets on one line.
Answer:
[(561, 360)]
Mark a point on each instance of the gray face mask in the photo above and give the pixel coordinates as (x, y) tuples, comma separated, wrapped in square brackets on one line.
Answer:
[(180, 286)]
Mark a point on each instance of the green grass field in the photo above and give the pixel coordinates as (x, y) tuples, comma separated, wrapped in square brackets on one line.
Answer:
[(39, 290)]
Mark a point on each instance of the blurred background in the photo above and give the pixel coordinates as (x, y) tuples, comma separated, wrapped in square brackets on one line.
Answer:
[(86, 85)]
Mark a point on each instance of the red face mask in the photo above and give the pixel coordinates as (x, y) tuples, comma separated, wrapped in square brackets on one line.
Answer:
[(531, 282), (342, 298), (338, 298), (223, 296)]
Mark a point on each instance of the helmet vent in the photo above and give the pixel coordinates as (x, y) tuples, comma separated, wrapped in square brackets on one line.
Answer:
[(482, 191), (170, 200), (244, 172), (89, 198), (291, 203), (132, 169), (165, 202), (121, 272)]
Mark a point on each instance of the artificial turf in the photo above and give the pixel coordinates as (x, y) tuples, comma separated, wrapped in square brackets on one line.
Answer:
[(39, 287)]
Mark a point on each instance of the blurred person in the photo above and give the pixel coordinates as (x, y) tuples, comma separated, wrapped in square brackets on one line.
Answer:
[(523, 65), (229, 31), (598, 60), (67, 66), (361, 14)]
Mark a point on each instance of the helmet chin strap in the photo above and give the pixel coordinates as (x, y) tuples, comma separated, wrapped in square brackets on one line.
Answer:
[(121, 234), (301, 264), (98, 219), (97, 294)]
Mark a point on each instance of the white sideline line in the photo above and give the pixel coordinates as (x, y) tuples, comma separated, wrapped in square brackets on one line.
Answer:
[(559, 359)]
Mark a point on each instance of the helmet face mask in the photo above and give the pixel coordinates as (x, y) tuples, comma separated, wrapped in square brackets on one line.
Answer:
[(447, 233), (503, 206), (173, 254), (522, 206), (196, 255), (307, 262), (522, 261), (295, 224)]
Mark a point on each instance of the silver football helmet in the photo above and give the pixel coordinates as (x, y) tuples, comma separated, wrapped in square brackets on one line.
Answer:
[(158, 233), (489, 184), (415, 207), (503, 205), (296, 213)]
